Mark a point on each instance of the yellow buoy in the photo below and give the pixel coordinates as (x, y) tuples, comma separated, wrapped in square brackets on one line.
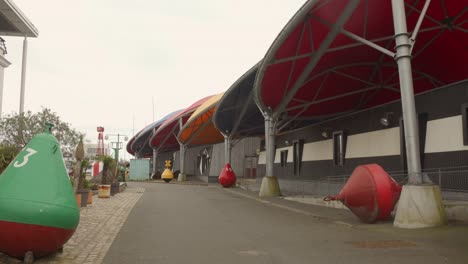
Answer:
[(167, 174)]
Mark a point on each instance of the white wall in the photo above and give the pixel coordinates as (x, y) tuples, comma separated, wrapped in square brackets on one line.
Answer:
[(442, 135), (445, 135)]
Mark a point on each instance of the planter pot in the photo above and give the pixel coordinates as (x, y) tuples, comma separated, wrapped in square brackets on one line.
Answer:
[(84, 196), (78, 200), (104, 191), (114, 188), (90, 197)]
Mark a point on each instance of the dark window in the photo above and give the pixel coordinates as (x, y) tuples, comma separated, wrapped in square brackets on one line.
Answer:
[(262, 145), (298, 147), (464, 112), (339, 148), (284, 158), (422, 125)]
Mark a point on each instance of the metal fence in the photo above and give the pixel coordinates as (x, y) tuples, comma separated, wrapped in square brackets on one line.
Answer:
[(453, 182)]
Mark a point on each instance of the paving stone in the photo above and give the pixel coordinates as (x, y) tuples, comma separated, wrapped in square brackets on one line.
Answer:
[(99, 224)]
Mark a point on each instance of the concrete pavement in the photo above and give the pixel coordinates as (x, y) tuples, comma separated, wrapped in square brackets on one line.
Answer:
[(185, 223), (207, 224)]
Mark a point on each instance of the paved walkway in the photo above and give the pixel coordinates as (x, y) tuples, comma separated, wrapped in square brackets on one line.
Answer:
[(99, 224), (199, 223), (208, 224)]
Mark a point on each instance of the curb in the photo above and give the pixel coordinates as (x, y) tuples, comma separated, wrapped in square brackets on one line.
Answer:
[(299, 211)]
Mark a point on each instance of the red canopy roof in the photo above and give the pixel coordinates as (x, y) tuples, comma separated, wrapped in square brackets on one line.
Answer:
[(165, 137), (315, 70)]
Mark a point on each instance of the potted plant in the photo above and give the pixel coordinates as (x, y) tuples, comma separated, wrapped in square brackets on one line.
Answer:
[(77, 195), (105, 188), (84, 187), (87, 186), (115, 185), (81, 164)]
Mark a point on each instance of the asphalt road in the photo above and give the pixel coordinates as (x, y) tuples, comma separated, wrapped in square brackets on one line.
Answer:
[(206, 224)]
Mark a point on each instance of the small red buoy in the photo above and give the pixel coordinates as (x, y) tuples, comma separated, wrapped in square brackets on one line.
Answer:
[(227, 178), (370, 193)]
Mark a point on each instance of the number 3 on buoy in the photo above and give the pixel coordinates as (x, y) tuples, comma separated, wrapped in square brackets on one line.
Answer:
[(25, 158)]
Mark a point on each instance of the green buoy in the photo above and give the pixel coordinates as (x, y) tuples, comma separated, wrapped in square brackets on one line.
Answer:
[(38, 209)]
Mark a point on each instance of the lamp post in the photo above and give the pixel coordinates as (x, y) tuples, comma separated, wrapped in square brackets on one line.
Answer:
[(117, 146)]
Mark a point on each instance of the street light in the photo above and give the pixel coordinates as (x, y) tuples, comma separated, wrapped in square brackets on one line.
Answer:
[(116, 146)]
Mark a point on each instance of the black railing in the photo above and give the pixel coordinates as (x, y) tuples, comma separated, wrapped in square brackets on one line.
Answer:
[(3, 46), (453, 182)]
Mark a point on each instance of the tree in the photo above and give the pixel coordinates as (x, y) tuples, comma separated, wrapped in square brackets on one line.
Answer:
[(33, 124), (7, 154)]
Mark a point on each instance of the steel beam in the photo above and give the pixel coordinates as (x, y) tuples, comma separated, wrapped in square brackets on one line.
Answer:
[(334, 31), (198, 131), (241, 115), (331, 98), (368, 43), (418, 24)]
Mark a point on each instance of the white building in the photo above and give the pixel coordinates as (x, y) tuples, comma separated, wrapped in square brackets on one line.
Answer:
[(13, 23)]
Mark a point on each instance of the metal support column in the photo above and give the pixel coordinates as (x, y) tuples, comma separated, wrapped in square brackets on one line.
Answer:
[(420, 205), (227, 149), (270, 185), (23, 75), (182, 158), (155, 163), (269, 145), (182, 176), (403, 59)]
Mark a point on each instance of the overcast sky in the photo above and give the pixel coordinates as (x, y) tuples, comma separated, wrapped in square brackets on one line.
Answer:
[(104, 63)]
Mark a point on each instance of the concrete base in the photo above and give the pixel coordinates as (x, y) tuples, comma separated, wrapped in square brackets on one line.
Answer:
[(420, 206), (457, 210), (270, 187), (182, 177)]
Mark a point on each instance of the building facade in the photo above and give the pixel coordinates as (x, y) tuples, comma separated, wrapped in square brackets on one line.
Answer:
[(330, 151)]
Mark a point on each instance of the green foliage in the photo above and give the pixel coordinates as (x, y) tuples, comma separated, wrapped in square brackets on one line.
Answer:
[(33, 124), (86, 184), (108, 168), (7, 154), (84, 166)]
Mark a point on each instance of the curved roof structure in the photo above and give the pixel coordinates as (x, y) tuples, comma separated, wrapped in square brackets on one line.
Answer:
[(199, 129), (237, 114), (140, 140), (164, 138), (129, 146), (318, 66), (13, 22)]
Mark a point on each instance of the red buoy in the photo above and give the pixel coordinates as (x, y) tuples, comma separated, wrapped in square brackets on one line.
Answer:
[(227, 178), (370, 193)]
